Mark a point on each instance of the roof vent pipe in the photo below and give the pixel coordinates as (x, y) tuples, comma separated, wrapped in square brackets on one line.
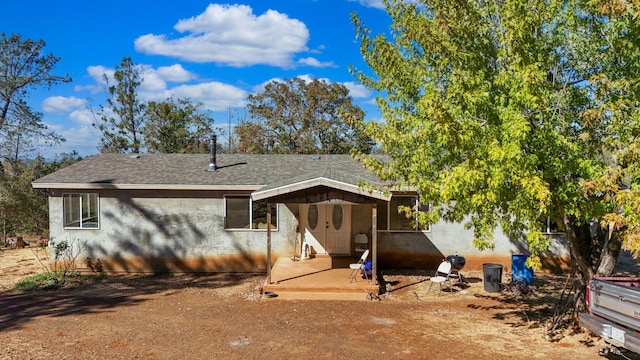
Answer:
[(213, 143)]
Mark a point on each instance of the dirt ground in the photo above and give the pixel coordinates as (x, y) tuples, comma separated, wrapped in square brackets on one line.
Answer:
[(223, 316)]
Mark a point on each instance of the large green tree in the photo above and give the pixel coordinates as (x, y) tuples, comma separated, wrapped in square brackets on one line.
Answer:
[(177, 126), (295, 116), (505, 112), (23, 67), (130, 124), (122, 119), (23, 209)]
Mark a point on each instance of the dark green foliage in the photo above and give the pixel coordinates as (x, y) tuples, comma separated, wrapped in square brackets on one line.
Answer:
[(299, 117), (23, 209), (121, 120), (177, 126), (130, 125), (503, 113)]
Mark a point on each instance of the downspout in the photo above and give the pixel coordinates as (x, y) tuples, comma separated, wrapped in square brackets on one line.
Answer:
[(374, 243), (268, 243)]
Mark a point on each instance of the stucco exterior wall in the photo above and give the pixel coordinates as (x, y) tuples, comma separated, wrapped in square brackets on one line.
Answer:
[(183, 231), (169, 231), (425, 250)]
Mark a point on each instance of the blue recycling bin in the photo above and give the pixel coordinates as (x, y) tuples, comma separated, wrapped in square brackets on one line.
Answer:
[(366, 269), (519, 270)]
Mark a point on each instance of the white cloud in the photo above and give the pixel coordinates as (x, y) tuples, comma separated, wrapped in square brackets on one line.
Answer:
[(215, 96), (61, 104), (309, 78), (175, 73), (84, 139), (306, 77), (260, 87), (357, 90), (152, 83), (371, 3), (153, 80), (232, 35), (98, 72), (83, 117), (310, 61), (94, 89), (318, 50)]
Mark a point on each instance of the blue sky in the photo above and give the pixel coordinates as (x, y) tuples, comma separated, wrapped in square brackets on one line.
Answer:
[(215, 53)]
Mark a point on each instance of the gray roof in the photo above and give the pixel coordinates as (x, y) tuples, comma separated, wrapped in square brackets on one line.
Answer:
[(190, 172)]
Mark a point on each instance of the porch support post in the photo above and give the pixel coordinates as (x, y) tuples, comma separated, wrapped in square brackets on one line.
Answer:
[(268, 243), (374, 243)]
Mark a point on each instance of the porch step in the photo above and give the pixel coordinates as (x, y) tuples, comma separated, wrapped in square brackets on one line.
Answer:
[(319, 292), (319, 295), (360, 289)]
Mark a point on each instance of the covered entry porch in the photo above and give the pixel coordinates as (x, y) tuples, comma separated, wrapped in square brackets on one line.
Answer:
[(328, 271), (323, 277)]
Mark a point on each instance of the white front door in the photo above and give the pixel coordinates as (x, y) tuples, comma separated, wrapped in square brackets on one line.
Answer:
[(328, 228)]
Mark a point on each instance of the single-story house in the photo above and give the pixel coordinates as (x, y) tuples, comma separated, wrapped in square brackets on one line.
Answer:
[(208, 213)]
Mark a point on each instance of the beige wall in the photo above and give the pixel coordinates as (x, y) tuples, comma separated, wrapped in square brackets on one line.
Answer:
[(183, 231), (170, 231), (425, 250)]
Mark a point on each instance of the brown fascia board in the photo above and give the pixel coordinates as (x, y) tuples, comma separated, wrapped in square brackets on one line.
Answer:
[(98, 186), (306, 184)]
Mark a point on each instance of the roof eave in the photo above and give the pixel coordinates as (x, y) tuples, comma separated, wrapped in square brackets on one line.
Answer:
[(100, 186), (321, 181)]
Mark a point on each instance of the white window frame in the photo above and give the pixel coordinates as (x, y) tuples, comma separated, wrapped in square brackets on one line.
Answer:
[(547, 227), (82, 206), (274, 216)]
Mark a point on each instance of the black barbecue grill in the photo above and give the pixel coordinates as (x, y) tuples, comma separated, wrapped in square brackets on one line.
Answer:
[(457, 263)]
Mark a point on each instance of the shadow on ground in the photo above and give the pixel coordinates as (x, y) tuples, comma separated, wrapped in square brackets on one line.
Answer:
[(103, 295)]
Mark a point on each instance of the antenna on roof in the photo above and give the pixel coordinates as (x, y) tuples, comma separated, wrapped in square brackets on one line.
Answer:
[(213, 143)]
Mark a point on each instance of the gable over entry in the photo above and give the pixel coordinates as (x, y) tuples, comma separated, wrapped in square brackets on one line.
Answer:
[(327, 189)]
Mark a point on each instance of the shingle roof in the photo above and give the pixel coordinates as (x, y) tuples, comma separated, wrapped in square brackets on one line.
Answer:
[(189, 171)]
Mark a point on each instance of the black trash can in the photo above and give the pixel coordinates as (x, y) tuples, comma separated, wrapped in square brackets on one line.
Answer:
[(492, 277)]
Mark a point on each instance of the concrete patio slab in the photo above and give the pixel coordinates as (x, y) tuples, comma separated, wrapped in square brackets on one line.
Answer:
[(319, 278)]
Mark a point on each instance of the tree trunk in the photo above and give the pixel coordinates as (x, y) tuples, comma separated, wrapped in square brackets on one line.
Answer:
[(580, 242), (610, 250), (582, 255), (20, 243), (594, 252)]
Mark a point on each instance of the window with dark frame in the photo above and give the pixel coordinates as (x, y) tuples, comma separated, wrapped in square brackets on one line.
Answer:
[(259, 215), (242, 213), (390, 219)]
